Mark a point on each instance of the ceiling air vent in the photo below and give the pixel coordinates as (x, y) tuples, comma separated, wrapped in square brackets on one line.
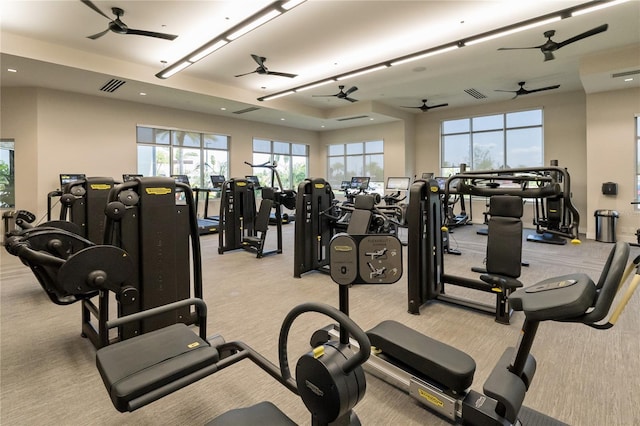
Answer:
[(112, 85), (475, 93), (625, 73), (243, 111), (352, 118)]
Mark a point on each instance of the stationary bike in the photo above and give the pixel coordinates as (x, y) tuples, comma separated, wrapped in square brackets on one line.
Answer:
[(438, 375)]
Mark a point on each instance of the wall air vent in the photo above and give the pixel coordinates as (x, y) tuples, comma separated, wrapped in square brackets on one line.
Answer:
[(112, 85), (243, 111), (625, 73), (357, 117), (475, 93)]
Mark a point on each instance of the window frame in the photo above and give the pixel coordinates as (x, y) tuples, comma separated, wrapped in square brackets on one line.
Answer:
[(354, 151), (276, 151), (473, 139), (175, 148)]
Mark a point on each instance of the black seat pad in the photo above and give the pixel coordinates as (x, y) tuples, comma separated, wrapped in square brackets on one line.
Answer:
[(263, 413), (137, 366), (435, 360)]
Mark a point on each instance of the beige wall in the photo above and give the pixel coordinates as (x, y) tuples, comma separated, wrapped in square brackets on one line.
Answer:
[(611, 157), (61, 132)]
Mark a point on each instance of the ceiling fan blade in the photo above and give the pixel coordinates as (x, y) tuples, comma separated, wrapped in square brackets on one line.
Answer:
[(259, 60), (151, 34), (350, 99), (98, 35), (282, 74), (520, 48), (404, 106), (322, 96), (95, 8), (543, 89), (246, 73), (594, 31), (350, 91), (438, 106), (507, 91)]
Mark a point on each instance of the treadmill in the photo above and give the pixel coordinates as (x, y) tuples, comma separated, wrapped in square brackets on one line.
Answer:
[(217, 182), (205, 226)]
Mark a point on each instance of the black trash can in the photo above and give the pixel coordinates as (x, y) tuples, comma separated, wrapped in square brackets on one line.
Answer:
[(606, 225)]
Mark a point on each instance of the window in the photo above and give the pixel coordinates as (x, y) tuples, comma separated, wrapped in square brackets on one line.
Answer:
[(164, 152), (292, 160), (497, 141), (7, 174), (356, 159)]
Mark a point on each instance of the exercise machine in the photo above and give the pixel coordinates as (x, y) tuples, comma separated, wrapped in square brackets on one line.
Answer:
[(65, 178), (329, 379), (83, 201), (313, 226), (555, 215), (205, 225), (546, 185), (237, 214), (439, 376), (427, 279), (161, 237)]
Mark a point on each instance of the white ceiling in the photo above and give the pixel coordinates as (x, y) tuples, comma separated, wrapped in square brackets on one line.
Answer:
[(46, 42)]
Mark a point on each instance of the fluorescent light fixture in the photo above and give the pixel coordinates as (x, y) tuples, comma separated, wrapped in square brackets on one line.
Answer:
[(278, 95), (254, 24), (314, 85), (513, 30), (424, 55), (174, 69), (207, 51), (478, 38), (628, 79), (361, 72), (291, 4), (597, 7), (259, 18)]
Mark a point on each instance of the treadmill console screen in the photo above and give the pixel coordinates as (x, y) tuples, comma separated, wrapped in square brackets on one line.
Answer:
[(360, 182), (68, 178), (398, 183), (181, 179), (217, 181)]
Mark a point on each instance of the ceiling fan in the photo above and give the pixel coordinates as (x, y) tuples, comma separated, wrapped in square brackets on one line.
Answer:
[(119, 27), (523, 91), (262, 69), (424, 107), (551, 46), (342, 94)]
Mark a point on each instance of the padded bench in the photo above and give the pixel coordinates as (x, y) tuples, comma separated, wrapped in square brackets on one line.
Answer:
[(438, 361), (140, 370)]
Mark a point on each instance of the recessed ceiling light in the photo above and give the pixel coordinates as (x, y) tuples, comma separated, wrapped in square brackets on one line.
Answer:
[(628, 79), (223, 109), (282, 119), (12, 70), (143, 94)]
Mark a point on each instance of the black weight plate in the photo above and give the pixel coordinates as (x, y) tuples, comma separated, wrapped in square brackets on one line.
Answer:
[(73, 275)]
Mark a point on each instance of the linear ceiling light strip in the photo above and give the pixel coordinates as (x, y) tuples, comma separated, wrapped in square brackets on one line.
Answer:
[(256, 20), (479, 38)]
